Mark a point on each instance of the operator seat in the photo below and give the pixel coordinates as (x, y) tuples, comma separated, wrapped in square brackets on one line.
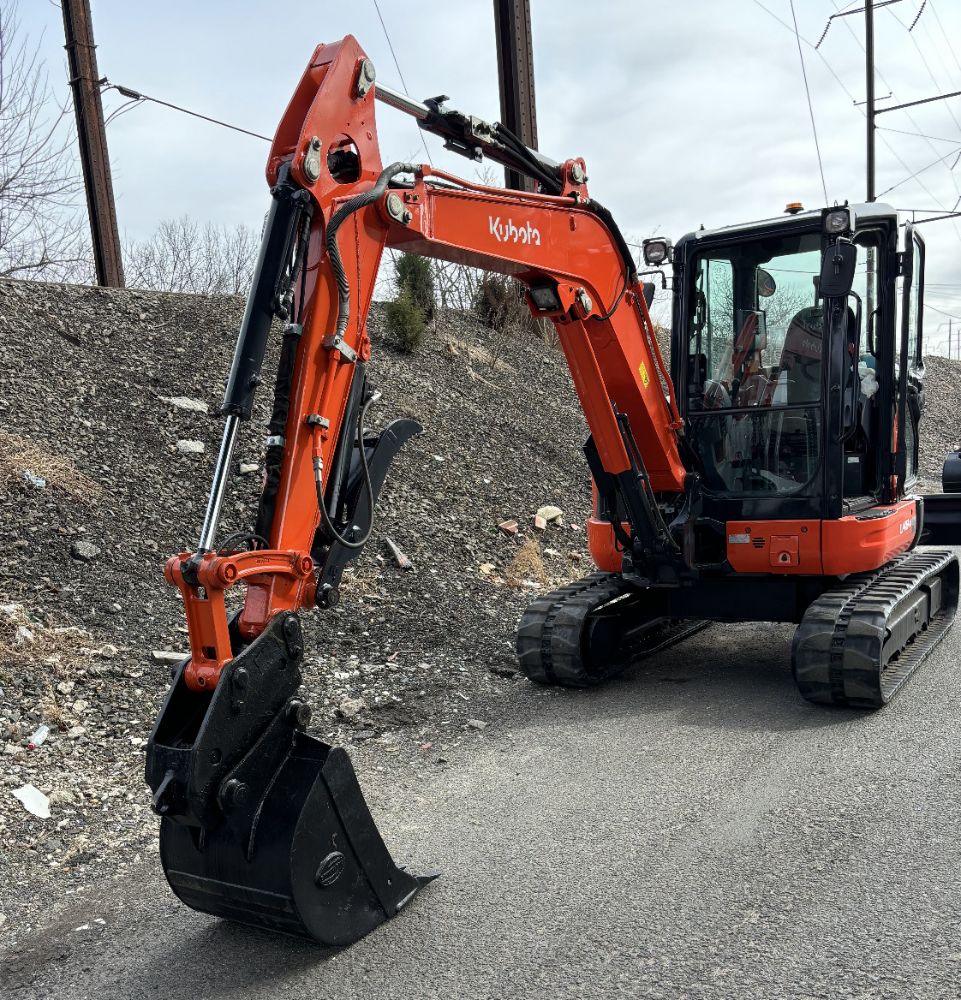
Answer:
[(800, 364), (794, 441)]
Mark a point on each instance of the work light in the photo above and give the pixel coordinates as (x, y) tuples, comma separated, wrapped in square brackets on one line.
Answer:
[(656, 251)]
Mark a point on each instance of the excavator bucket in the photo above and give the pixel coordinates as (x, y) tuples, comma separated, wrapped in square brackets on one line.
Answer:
[(262, 823)]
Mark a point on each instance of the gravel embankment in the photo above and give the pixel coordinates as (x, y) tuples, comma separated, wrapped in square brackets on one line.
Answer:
[(402, 665), (97, 489)]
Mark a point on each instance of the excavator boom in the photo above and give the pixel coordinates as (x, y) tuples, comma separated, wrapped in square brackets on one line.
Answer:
[(745, 518), (261, 822)]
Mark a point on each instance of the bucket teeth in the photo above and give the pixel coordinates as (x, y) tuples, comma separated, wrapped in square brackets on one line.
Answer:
[(262, 823)]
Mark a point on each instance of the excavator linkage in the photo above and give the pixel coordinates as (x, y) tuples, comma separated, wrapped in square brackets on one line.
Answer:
[(262, 823)]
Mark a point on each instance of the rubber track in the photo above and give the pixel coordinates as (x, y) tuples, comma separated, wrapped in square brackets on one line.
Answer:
[(550, 647), (860, 642)]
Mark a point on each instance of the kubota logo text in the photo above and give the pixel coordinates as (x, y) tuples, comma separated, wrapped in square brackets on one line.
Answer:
[(509, 232)]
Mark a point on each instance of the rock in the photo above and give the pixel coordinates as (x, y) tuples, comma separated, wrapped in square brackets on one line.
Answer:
[(540, 523), (402, 561), (486, 568), (75, 732), (508, 527), (84, 551), (166, 656), (186, 403), (551, 514), (187, 447), (350, 708), (476, 724), (65, 687), (23, 636), (551, 552), (248, 468), (33, 800)]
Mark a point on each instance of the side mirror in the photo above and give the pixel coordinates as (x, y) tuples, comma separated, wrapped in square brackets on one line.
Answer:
[(837, 269)]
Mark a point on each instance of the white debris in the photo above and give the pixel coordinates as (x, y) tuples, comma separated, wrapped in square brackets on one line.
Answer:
[(34, 801), (41, 733), (187, 447), (23, 635), (34, 479), (248, 468), (186, 403), (166, 656)]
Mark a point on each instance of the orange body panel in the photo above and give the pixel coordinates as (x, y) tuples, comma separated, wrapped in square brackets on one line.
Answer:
[(775, 546), (851, 545), (810, 547)]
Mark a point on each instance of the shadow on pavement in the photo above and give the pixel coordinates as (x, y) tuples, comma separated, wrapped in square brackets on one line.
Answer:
[(728, 677), (223, 959)]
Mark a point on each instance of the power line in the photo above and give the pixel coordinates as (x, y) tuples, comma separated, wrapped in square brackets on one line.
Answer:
[(403, 82), (934, 163), (920, 135), (807, 91), (914, 123), (897, 156), (137, 98), (954, 55), (842, 12)]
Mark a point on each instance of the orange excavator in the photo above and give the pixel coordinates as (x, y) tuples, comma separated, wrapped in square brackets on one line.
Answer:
[(767, 476)]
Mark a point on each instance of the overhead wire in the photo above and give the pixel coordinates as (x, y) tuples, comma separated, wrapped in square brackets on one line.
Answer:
[(138, 98), (807, 91), (937, 18), (912, 120), (403, 82), (854, 101)]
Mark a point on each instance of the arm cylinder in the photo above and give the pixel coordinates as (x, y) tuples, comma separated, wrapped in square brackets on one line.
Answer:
[(275, 250)]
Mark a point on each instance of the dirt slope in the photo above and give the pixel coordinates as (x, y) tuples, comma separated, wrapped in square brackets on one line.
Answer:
[(94, 494), (83, 378)]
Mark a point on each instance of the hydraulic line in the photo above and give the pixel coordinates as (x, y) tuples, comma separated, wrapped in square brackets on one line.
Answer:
[(333, 251), (325, 517)]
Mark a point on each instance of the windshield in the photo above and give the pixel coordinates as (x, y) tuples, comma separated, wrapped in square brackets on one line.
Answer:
[(755, 363)]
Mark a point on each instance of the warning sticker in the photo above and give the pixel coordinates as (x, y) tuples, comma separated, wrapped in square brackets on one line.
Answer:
[(642, 371)]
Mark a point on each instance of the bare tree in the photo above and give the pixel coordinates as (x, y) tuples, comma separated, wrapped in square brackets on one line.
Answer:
[(42, 232), (183, 256)]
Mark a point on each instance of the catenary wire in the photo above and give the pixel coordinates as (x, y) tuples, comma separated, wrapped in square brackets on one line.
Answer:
[(807, 91), (135, 95), (403, 82)]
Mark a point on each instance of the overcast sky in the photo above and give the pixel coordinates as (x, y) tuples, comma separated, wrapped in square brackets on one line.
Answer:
[(687, 113)]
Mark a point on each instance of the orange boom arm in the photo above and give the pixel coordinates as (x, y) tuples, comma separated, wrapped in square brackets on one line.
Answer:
[(335, 210)]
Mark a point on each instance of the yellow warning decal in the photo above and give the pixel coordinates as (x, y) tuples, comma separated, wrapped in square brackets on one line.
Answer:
[(642, 371)]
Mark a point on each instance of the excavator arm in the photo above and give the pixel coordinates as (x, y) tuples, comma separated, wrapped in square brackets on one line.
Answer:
[(262, 822)]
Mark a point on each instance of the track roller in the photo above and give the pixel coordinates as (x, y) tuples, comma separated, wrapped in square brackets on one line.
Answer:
[(859, 642), (591, 630)]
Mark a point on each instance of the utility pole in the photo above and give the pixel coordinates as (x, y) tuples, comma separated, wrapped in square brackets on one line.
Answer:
[(92, 136), (869, 70), (515, 70)]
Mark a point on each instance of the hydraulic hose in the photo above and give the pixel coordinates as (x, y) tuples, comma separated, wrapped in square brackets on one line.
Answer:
[(325, 517), (333, 251)]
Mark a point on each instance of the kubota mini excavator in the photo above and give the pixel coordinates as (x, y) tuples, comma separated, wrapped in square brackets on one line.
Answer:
[(767, 477)]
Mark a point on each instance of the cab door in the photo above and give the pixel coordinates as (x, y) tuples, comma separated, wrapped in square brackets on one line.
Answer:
[(909, 362)]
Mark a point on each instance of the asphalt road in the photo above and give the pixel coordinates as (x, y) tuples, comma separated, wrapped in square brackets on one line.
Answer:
[(693, 830)]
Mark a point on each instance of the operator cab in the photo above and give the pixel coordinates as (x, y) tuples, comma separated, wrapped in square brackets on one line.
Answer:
[(789, 395)]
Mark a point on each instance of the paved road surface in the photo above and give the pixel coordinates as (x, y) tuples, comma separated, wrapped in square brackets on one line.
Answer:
[(693, 830)]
